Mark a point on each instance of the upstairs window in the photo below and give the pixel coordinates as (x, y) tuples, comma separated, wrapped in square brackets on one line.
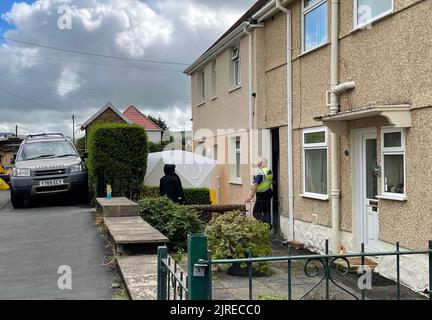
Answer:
[(367, 11), (315, 24), (201, 86), (213, 79), (235, 66), (393, 157)]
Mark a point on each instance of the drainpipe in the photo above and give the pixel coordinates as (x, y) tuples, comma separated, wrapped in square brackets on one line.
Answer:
[(250, 92), (289, 116), (335, 91)]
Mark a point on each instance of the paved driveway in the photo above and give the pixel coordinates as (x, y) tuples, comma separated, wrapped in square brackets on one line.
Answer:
[(35, 242)]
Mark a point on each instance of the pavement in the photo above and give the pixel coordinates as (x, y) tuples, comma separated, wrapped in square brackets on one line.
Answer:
[(35, 242)]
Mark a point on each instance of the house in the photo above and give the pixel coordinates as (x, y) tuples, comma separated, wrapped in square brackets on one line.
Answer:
[(110, 114), (341, 92), (135, 116)]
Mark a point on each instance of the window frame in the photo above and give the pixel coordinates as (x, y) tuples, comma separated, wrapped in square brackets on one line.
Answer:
[(304, 12), (315, 146), (234, 179), (201, 86), (234, 62), (389, 151), (356, 25), (214, 79)]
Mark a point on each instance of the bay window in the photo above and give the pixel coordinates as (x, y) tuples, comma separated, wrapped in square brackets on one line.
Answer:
[(315, 162), (315, 24), (393, 162)]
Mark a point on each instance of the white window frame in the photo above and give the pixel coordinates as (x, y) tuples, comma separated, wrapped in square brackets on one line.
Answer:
[(393, 151), (236, 76), (201, 86), (305, 11), (314, 146), (364, 24), (214, 79), (234, 179)]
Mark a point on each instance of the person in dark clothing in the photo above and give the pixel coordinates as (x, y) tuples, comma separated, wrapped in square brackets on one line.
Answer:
[(171, 185)]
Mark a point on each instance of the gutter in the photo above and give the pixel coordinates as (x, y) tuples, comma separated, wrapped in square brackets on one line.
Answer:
[(221, 46)]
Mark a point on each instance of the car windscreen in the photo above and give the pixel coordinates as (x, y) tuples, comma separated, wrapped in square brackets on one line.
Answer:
[(46, 149)]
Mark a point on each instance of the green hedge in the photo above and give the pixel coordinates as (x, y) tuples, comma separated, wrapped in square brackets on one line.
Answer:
[(173, 220), (117, 156), (194, 196)]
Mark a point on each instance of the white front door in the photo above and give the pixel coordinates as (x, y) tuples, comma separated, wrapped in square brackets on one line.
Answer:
[(367, 190)]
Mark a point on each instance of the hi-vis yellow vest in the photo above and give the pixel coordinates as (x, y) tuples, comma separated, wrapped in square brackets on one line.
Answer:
[(267, 182)]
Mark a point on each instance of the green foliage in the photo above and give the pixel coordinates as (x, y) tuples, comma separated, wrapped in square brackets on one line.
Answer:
[(194, 196), (158, 147), (231, 235), (80, 144), (117, 156), (174, 221), (159, 122)]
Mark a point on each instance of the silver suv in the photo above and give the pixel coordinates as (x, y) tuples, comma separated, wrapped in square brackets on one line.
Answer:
[(47, 164)]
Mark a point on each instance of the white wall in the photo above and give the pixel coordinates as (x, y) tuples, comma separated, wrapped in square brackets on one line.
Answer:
[(154, 136)]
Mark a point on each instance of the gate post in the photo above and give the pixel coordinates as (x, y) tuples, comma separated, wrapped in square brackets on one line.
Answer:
[(198, 273), (162, 272)]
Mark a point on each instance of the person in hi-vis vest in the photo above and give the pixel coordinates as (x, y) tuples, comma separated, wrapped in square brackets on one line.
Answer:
[(262, 189)]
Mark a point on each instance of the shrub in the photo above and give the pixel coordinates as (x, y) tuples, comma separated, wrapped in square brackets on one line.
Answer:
[(117, 156), (194, 196), (231, 235), (173, 220)]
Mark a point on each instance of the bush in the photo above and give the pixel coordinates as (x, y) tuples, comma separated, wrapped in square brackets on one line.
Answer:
[(117, 156), (231, 235), (173, 220), (194, 196)]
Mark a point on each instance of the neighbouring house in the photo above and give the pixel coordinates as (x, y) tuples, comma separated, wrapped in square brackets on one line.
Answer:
[(110, 114), (135, 116), (341, 92)]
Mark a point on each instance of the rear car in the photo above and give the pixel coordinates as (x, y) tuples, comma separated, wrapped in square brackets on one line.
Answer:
[(47, 165)]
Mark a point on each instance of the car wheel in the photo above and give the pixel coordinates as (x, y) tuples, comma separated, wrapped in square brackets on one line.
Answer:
[(17, 201)]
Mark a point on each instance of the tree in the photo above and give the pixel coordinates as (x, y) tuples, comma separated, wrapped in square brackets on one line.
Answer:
[(160, 123)]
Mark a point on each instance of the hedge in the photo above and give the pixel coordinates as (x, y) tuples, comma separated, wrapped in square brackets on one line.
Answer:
[(194, 196), (117, 155), (173, 220)]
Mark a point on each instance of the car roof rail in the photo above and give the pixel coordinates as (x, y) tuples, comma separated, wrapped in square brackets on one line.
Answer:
[(44, 135)]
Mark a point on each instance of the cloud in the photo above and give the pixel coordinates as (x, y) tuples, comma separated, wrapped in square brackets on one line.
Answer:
[(40, 89)]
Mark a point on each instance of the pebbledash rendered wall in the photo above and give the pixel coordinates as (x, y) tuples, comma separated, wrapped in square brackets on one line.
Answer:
[(390, 63), (226, 109)]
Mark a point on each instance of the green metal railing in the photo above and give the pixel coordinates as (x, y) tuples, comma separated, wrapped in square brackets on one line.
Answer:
[(172, 280), (323, 267)]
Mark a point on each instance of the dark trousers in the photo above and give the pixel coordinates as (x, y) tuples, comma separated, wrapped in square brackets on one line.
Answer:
[(262, 209)]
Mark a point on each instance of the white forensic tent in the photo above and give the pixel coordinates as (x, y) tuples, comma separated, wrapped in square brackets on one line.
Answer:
[(194, 170)]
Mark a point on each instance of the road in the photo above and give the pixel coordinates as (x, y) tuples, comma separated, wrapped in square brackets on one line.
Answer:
[(35, 242)]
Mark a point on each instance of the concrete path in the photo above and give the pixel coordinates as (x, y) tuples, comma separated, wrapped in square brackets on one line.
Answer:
[(35, 242)]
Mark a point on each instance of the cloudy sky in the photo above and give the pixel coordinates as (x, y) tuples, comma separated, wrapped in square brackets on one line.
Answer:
[(41, 88)]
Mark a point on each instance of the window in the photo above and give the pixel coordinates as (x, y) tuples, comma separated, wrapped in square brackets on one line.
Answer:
[(235, 159), (213, 79), (201, 86), (315, 162), (393, 158), (315, 21), (235, 66), (367, 11), (238, 174)]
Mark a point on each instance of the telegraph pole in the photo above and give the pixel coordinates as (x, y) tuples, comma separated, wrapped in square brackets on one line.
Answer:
[(73, 129)]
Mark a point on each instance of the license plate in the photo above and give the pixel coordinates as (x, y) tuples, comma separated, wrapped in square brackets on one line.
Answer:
[(50, 183)]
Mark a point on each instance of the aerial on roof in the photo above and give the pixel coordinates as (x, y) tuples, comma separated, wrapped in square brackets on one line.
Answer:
[(135, 116)]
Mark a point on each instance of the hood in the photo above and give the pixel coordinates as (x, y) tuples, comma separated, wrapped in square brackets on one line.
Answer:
[(48, 163)]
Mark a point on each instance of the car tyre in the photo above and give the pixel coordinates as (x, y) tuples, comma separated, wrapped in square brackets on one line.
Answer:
[(17, 201)]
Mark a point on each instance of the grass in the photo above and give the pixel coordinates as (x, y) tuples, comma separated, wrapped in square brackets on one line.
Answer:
[(265, 296)]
